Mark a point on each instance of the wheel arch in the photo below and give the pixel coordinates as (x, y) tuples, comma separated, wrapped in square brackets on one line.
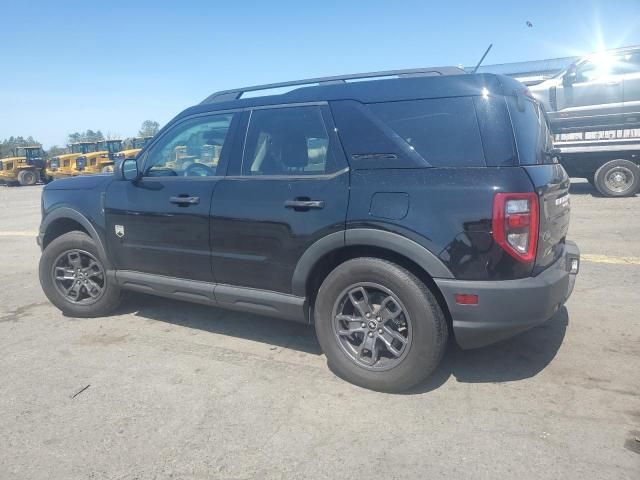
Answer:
[(64, 220), (330, 251)]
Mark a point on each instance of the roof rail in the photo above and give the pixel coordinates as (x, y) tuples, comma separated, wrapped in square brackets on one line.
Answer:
[(226, 95)]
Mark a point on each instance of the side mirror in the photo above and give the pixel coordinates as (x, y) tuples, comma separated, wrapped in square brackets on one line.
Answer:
[(127, 170), (570, 77)]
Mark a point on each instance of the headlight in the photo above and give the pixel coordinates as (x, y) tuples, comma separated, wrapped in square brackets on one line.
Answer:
[(118, 155)]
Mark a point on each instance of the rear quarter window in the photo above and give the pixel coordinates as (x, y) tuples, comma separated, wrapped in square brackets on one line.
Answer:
[(531, 129), (444, 131), (496, 131)]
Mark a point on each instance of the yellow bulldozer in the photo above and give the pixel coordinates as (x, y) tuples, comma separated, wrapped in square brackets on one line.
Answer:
[(65, 165), (25, 166), (101, 160)]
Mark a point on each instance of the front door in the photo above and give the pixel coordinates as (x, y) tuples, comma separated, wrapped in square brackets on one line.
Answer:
[(160, 224), (289, 189), (631, 69), (596, 91)]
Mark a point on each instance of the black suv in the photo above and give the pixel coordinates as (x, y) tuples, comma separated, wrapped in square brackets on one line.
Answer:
[(390, 212)]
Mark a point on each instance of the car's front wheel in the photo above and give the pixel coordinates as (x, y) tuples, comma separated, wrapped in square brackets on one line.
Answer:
[(75, 279), (379, 325)]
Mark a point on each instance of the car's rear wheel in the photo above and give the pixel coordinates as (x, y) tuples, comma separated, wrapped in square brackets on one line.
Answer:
[(379, 325), (618, 178), (75, 279), (27, 177)]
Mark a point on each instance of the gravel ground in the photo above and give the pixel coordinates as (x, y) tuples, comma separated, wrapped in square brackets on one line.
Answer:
[(184, 391)]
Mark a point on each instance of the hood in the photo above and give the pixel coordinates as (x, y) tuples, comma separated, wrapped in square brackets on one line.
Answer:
[(87, 182)]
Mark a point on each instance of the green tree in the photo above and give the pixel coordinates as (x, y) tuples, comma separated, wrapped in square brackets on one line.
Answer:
[(86, 136), (148, 128), (56, 150), (9, 144)]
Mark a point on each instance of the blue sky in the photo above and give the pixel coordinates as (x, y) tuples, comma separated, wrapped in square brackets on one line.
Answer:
[(109, 65)]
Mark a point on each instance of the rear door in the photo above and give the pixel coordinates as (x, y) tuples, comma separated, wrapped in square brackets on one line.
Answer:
[(551, 182), (160, 224), (289, 189)]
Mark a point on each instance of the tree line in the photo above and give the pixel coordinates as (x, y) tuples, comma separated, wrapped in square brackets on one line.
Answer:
[(148, 129)]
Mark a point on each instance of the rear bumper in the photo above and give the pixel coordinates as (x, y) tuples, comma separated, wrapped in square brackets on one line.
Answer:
[(508, 307)]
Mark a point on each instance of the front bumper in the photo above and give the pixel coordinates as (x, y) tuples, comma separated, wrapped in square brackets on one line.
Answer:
[(508, 307)]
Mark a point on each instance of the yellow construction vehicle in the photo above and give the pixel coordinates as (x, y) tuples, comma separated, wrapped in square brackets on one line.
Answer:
[(100, 161), (25, 166), (65, 165)]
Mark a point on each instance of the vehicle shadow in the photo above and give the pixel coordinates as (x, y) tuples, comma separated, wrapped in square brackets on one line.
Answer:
[(583, 188), (517, 358), (252, 327), (514, 359)]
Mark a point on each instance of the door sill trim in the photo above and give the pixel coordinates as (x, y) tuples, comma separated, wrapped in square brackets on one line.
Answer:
[(251, 300)]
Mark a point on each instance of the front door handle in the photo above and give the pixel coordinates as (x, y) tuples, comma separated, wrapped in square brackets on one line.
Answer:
[(613, 83), (184, 200), (304, 204)]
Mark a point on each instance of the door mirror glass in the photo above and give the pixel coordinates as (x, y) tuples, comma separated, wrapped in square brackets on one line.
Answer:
[(128, 169)]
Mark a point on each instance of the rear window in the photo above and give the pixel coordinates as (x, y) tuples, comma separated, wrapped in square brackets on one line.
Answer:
[(533, 137), (444, 131)]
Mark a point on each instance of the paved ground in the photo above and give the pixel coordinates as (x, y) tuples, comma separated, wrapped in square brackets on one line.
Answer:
[(182, 391)]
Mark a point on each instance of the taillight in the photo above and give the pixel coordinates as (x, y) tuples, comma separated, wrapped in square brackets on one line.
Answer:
[(515, 224)]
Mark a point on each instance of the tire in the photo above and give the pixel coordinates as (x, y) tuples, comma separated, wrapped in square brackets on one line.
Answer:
[(27, 178), (425, 328), (88, 303), (617, 178)]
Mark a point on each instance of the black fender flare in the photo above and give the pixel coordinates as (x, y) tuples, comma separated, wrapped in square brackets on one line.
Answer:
[(71, 214), (369, 237)]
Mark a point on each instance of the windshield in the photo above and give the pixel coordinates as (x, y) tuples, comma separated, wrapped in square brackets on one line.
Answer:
[(140, 142), (88, 147), (114, 147), (32, 153)]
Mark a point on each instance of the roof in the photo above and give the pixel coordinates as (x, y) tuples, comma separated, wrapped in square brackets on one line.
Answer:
[(237, 93), (547, 66), (520, 68), (374, 90)]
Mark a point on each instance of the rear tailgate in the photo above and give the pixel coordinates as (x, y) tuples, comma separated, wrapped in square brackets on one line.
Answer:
[(552, 185), (534, 144)]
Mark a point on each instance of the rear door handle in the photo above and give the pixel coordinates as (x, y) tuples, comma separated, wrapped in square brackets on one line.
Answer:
[(613, 83), (184, 200), (302, 205)]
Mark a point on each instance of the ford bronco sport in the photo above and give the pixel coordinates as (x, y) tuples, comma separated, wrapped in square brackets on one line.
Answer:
[(392, 213)]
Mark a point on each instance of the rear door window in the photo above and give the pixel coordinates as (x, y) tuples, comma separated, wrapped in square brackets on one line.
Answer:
[(287, 141), (444, 131), (531, 128)]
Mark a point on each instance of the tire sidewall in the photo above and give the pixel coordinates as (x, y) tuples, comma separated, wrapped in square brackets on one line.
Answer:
[(599, 178), (427, 324), (23, 175), (81, 241)]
